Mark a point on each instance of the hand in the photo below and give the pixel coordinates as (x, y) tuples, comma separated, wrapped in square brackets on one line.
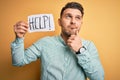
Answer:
[(74, 42), (20, 29)]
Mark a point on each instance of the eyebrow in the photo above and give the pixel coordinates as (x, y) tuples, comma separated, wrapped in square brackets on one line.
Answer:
[(71, 14)]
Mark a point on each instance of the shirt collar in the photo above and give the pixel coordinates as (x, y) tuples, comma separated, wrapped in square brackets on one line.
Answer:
[(61, 40)]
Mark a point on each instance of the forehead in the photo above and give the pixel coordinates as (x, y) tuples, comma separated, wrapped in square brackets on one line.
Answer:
[(72, 12)]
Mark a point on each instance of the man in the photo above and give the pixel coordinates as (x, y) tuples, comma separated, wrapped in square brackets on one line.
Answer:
[(63, 57)]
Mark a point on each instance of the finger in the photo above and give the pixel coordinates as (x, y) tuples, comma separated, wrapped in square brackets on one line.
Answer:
[(69, 44), (22, 23), (69, 41), (22, 27), (20, 31), (19, 26), (72, 37), (76, 32)]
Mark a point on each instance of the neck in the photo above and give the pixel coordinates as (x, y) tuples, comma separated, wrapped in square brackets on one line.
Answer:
[(65, 38)]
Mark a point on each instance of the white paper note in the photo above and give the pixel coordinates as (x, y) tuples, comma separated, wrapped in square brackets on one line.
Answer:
[(41, 22)]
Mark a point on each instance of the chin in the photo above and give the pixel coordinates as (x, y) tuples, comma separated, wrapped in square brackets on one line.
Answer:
[(68, 34)]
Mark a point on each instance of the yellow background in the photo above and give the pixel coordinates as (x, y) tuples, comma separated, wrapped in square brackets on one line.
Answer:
[(101, 25)]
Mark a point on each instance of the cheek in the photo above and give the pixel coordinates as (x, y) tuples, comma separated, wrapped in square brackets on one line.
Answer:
[(79, 24), (64, 24)]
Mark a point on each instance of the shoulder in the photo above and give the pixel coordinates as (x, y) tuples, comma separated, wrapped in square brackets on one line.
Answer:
[(47, 39)]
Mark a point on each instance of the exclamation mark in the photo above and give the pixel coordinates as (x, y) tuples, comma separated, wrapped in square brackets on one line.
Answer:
[(49, 24)]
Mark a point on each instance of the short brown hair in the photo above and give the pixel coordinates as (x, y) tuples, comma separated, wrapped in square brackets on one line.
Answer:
[(74, 5)]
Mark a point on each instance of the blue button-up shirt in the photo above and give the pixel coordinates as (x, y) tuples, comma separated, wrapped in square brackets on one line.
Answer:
[(58, 61)]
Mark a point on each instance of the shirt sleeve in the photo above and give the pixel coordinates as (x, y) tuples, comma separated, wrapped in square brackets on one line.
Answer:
[(21, 56), (90, 62)]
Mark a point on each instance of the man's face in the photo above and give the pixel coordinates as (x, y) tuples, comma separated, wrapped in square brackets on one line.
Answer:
[(70, 21)]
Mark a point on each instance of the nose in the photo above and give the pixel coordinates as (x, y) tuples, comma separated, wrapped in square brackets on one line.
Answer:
[(73, 21)]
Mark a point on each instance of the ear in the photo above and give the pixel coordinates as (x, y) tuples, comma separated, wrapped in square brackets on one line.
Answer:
[(59, 22)]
